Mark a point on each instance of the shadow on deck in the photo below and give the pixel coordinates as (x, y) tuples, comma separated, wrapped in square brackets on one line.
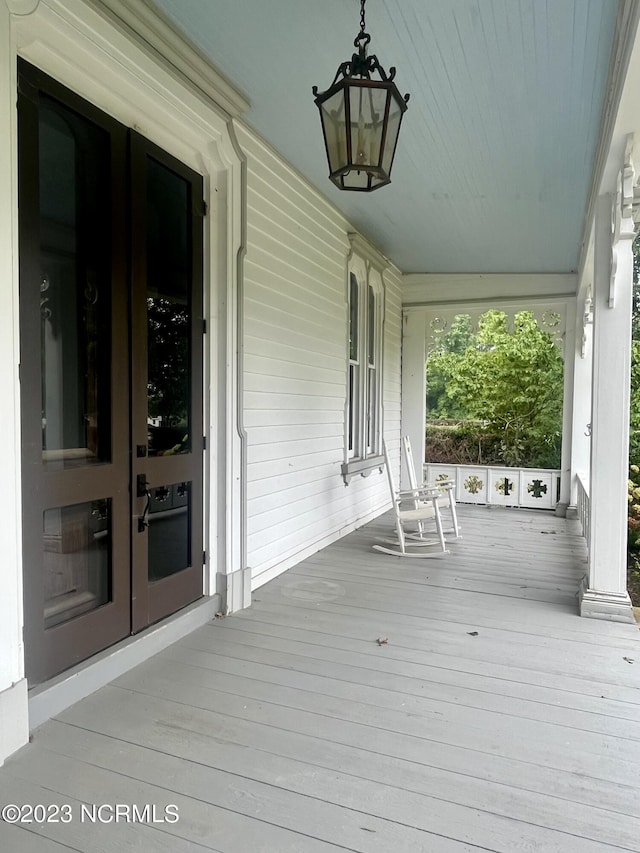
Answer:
[(494, 718)]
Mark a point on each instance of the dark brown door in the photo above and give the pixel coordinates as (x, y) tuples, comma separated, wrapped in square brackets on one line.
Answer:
[(111, 336), (166, 381)]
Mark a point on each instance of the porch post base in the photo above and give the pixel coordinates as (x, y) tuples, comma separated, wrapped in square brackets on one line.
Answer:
[(14, 719), (615, 607), (235, 589), (561, 509), (572, 512)]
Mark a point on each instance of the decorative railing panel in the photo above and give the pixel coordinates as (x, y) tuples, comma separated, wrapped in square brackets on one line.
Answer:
[(483, 484), (582, 504)]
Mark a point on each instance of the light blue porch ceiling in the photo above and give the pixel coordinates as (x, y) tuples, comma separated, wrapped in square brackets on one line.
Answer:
[(495, 156)]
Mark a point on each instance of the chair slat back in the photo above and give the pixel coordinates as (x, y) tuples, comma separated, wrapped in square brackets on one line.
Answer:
[(392, 487), (408, 458)]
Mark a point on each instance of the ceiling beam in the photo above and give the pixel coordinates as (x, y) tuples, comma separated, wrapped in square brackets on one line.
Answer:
[(463, 288)]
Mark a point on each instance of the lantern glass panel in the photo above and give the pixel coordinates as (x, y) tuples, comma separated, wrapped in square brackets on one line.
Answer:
[(393, 128), (367, 106), (357, 179), (332, 112)]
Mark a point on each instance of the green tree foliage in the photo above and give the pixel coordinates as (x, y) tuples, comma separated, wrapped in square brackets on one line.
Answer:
[(635, 305), (511, 382), (634, 407), (440, 404), (633, 573)]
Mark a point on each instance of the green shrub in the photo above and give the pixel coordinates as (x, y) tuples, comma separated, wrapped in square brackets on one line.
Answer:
[(633, 514), (479, 443)]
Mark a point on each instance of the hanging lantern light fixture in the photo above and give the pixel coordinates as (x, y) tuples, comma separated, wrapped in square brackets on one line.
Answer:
[(361, 119)]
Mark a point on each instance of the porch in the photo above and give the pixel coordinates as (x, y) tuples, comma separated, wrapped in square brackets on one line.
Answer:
[(494, 718)]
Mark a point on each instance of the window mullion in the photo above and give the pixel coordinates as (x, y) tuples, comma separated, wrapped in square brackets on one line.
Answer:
[(363, 345)]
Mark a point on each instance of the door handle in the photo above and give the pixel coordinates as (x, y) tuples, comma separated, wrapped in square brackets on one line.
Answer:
[(142, 486), (142, 490), (142, 519)]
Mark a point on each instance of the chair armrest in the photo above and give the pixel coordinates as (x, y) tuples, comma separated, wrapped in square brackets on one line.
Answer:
[(420, 492), (439, 484)]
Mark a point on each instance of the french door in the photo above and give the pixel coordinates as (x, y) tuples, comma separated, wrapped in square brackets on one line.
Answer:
[(111, 377)]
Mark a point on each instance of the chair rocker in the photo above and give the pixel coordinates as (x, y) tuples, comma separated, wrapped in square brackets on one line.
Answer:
[(413, 507), (446, 489)]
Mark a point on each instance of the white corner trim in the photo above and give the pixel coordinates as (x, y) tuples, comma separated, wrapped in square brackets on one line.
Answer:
[(14, 728), (235, 589), (233, 440), (154, 28), (362, 247)]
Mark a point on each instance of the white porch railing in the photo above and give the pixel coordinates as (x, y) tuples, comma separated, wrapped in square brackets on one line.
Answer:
[(485, 484), (582, 504)]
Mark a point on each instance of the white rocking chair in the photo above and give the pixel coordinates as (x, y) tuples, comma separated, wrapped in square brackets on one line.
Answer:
[(446, 488), (420, 505)]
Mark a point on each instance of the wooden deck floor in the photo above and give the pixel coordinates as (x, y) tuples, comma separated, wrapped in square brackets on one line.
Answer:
[(493, 719)]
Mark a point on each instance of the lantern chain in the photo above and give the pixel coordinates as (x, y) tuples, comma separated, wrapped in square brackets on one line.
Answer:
[(363, 38)]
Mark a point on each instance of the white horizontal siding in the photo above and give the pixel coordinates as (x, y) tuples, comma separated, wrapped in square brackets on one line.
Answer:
[(295, 369)]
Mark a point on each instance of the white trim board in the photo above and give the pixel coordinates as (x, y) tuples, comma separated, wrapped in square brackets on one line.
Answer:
[(424, 289), (14, 724)]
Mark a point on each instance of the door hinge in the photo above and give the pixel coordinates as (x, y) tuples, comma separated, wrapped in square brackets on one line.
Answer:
[(204, 442), (204, 558), (199, 207), (204, 327)]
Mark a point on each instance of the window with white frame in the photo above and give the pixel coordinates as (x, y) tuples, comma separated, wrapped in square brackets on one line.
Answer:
[(364, 389)]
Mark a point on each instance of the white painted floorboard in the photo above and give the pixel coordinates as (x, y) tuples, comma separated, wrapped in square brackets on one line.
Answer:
[(494, 718)]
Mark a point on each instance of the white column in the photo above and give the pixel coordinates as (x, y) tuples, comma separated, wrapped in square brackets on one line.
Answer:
[(604, 591), (414, 386), (13, 687), (580, 438), (567, 413)]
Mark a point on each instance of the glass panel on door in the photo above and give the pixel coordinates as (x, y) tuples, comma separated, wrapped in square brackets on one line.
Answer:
[(169, 530), (77, 560), (168, 311), (75, 299)]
